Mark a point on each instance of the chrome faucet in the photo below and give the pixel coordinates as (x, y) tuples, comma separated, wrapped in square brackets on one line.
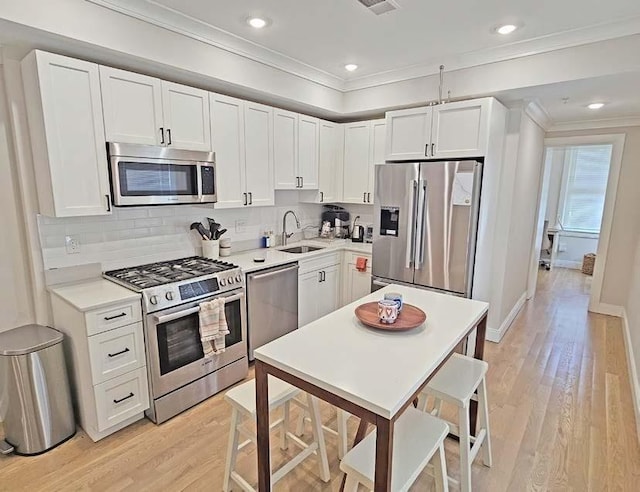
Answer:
[(286, 236)]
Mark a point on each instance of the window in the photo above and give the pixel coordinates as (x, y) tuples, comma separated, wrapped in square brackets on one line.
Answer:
[(586, 170)]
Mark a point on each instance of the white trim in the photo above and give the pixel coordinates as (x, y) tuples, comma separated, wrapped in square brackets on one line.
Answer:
[(633, 373), (494, 335), (574, 265), (618, 141), (608, 309), (162, 16), (538, 114), (569, 126)]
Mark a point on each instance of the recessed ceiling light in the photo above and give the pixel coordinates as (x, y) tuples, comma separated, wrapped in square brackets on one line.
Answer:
[(506, 29), (595, 105), (351, 67), (256, 22)]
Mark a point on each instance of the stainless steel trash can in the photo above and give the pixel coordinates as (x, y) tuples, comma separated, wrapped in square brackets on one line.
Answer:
[(33, 373)]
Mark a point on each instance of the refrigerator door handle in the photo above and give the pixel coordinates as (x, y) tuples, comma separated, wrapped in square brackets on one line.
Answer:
[(421, 218), (411, 230)]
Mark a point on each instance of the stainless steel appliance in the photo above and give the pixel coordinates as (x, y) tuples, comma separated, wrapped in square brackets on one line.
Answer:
[(152, 175), (179, 374), (426, 216), (272, 300), (33, 377), (339, 218)]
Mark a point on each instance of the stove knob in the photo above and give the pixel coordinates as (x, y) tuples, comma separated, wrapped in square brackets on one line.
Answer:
[(239, 278), (169, 296), (223, 282), (230, 280), (153, 300)]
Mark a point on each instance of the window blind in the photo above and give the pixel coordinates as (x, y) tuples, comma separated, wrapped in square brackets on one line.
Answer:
[(586, 186)]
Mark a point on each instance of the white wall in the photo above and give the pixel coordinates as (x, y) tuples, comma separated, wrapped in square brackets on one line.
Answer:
[(632, 308), (572, 248), (16, 305)]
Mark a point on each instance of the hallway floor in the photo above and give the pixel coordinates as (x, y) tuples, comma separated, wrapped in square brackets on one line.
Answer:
[(560, 410)]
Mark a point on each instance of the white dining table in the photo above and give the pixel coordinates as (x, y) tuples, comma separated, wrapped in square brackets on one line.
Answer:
[(372, 374)]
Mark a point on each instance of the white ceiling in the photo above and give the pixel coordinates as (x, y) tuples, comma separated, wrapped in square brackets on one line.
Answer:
[(326, 34)]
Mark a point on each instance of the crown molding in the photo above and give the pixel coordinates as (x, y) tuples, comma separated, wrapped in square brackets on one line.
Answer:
[(164, 17), (538, 114), (569, 126)]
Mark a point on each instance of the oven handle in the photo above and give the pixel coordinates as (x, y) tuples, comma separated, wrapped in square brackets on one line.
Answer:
[(181, 314)]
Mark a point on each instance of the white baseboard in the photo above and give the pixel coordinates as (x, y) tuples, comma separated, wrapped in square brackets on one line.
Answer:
[(494, 335), (574, 265), (608, 309), (633, 373)]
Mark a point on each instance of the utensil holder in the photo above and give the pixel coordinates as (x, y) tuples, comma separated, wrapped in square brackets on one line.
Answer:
[(211, 249)]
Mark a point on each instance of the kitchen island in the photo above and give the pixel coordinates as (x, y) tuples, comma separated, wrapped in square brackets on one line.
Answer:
[(372, 374)]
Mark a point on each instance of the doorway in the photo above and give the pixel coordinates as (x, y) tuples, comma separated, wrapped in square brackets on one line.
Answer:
[(575, 207)]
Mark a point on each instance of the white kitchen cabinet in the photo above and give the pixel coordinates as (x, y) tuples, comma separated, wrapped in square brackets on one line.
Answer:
[(285, 145), (356, 284), (376, 153), (227, 137), (186, 117), (357, 141), (318, 287), (258, 131), (64, 109), (445, 131), (132, 106), (460, 129), (295, 150), (330, 163), (146, 110)]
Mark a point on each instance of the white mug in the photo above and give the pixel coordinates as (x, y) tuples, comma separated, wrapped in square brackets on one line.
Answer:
[(387, 311)]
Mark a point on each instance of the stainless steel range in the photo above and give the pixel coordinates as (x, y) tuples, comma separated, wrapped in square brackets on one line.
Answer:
[(179, 374)]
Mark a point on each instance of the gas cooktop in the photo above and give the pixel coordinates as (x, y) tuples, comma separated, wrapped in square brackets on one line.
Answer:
[(169, 283)]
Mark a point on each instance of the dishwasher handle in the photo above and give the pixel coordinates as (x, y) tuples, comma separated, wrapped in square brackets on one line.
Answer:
[(272, 273)]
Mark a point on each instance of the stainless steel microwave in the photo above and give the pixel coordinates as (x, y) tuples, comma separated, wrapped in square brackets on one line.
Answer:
[(153, 175)]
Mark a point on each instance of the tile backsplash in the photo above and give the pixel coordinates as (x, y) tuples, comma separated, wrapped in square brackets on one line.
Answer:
[(138, 235)]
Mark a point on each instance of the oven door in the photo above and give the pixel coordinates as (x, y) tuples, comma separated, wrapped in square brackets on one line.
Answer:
[(146, 181), (174, 348)]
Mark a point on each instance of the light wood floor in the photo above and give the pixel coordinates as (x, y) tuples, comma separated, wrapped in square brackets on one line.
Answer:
[(560, 410)]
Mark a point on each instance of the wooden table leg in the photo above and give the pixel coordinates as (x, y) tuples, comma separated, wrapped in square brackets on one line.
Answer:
[(262, 424), (384, 454), (481, 333)]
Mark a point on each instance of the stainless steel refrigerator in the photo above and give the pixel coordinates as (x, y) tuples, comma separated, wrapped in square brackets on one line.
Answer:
[(425, 224)]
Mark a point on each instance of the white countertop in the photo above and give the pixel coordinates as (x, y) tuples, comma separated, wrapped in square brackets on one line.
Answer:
[(93, 294), (275, 257), (375, 369)]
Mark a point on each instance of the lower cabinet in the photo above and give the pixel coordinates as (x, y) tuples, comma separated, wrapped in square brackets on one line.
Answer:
[(318, 288), (107, 364), (356, 283)]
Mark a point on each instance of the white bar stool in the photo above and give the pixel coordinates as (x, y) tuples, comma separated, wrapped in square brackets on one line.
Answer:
[(417, 438), (456, 383), (243, 402), (340, 432)]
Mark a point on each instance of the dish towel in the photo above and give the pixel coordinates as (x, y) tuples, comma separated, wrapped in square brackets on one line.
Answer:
[(213, 327), (361, 264)]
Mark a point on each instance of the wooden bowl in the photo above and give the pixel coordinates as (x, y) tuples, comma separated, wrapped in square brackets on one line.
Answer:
[(410, 317)]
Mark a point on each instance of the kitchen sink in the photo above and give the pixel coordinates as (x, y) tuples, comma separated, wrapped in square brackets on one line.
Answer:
[(301, 249)]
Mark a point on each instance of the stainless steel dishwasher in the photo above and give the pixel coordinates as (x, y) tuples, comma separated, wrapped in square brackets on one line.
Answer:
[(272, 304)]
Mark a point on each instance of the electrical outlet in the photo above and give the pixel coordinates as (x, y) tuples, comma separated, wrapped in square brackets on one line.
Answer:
[(72, 245), (241, 226)]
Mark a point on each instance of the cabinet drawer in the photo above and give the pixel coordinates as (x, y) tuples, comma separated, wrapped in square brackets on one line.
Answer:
[(121, 398), (116, 352), (113, 317), (319, 263), (353, 257)]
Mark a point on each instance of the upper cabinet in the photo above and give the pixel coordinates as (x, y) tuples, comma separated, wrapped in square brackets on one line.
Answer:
[(145, 110), (364, 144), (295, 148), (67, 135), (330, 163), (258, 125), (445, 131)]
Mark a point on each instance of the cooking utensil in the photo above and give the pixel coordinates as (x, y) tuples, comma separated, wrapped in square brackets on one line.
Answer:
[(411, 317), (220, 233), (197, 226), (213, 225)]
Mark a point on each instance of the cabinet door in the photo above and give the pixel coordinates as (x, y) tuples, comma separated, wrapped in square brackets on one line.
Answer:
[(67, 135), (356, 162), (377, 153), (408, 134), (258, 133), (285, 149), (186, 117), (330, 161), (227, 137), (358, 283), (308, 297), (132, 106), (308, 138), (328, 291), (460, 129)]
